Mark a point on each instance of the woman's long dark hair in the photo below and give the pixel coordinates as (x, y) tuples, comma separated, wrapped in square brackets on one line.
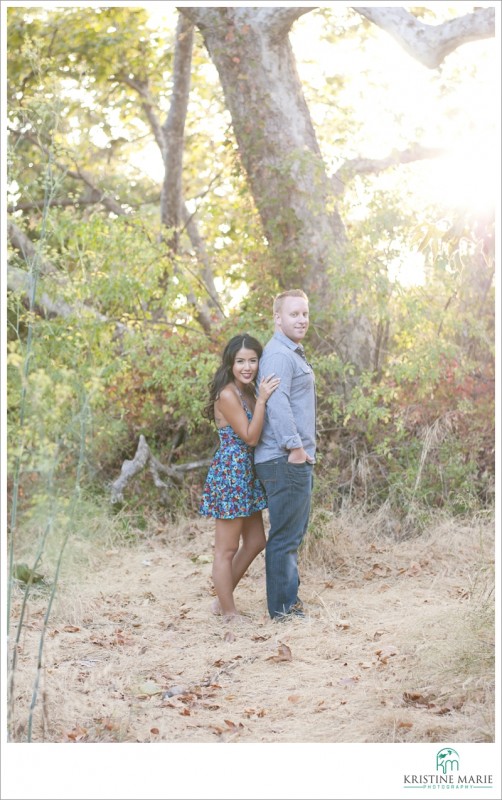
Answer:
[(223, 374)]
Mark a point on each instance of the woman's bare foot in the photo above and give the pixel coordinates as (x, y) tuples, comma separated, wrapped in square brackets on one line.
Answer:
[(215, 607), (236, 617), (232, 615)]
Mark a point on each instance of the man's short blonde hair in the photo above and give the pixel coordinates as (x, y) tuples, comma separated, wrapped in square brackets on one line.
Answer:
[(289, 293)]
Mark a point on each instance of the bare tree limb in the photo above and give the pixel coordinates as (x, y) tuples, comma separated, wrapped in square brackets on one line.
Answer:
[(144, 457), (20, 281), (280, 20), (147, 104), (109, 202), (430, 44), (21, 242), (368, 166), (96, 193), (64, 202), (199, 246)]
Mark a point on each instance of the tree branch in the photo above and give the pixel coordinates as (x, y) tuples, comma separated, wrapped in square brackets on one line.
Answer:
[(199, 246), (369, 166), (144, 457), (64, 202), (21, 242), (20, 281), (279, 21), (148, 106), (100, 196), (107, 200), (61, 202), (430, 44)]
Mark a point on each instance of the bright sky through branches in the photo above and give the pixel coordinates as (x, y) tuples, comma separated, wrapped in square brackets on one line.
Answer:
[(397, 101)]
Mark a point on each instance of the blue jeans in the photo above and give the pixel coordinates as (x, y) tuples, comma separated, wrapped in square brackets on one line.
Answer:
[(289, 490)]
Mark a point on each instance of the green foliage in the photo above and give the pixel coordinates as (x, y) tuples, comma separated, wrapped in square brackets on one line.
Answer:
[(131, 356), (114, 336)]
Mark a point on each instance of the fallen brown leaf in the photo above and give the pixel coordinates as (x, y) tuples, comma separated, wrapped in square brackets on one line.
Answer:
[(412, 570), (77, 734), (172, 703), (107, 724), (232, 726), (386, 652), (418, 699), (283, 654), (380, 570), (440, 709)]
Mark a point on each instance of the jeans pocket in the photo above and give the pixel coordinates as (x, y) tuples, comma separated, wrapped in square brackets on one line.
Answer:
[(299, 474)]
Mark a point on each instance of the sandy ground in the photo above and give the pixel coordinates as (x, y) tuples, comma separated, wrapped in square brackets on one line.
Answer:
[(396, 646)]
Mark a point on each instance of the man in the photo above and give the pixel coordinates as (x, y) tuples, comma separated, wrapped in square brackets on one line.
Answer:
[(285, 454)]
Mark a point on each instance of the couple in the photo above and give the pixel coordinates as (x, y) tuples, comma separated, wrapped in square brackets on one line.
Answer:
[(271, 421)]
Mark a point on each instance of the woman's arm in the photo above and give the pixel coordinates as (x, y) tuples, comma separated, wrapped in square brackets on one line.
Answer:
[(230, 407)]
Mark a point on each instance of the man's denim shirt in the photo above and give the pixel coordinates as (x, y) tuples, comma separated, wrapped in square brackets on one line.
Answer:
[(291, 409)]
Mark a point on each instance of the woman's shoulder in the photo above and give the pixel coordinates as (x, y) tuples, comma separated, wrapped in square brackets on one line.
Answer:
[(228, 393)]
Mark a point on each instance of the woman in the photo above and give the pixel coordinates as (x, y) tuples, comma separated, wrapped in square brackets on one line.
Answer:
[(232, 492)]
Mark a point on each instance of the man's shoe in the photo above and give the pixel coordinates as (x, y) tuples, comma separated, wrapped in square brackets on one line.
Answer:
[(296, 610)]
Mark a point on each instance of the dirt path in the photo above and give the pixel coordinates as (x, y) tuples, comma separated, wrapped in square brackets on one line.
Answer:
[(132, 653)]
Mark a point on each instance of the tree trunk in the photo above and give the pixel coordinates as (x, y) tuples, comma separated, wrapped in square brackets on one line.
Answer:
[(282, 159), (173, 132), (170, 139), (277, 143)]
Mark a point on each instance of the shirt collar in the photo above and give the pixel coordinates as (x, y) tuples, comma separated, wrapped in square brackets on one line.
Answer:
[(286, 340)]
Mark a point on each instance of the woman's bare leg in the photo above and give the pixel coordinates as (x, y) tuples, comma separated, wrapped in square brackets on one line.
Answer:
[(253, 542), (226, 545)]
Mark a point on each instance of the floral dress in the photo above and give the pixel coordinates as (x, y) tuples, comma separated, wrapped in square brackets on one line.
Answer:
[(232, 488)]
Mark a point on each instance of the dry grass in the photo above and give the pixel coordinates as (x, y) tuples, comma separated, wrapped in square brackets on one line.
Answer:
[(397, 646)]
